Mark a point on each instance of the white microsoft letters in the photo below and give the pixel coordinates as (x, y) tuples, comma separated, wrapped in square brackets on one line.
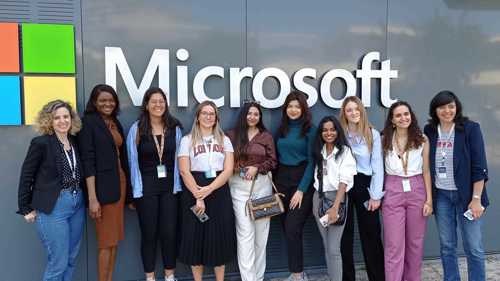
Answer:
[(160, 62)]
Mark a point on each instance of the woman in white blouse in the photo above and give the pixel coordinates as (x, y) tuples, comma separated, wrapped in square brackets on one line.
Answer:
[(333, 177), (205, 164), (408, 199)]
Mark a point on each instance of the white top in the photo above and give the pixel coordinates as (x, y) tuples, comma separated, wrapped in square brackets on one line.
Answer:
[(341, 170), (394, 164), (205, 156)]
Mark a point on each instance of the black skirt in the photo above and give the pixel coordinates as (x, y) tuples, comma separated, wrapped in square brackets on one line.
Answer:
[(212, 243)]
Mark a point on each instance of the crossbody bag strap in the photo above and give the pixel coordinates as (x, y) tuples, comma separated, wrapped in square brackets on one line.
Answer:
[(251, 188), (274, 186)]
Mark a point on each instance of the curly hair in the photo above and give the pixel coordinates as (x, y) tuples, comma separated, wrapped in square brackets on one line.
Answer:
[(44, 119), (415, 135)]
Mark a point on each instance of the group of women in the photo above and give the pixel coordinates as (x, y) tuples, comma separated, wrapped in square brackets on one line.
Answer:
[(190, 192)]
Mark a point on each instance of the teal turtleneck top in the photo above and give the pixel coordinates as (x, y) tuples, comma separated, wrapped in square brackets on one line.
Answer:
[(293, 149)]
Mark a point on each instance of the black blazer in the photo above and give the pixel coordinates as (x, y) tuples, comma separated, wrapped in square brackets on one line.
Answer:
[(99, 158), (41, 180)]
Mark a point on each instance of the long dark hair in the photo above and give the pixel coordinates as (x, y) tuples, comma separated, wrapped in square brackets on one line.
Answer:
[(240, 131), (340, 143), (305, 117), (440, 99), (415, 135), (96, 91), (169, 121)]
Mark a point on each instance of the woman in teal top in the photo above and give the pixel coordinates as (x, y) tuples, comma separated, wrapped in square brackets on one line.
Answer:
[(294, 176)]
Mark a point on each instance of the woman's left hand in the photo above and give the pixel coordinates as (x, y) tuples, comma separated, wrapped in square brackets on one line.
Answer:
[(296, 200), (202, 192), (476, 208), (251, 173), (427, 209)]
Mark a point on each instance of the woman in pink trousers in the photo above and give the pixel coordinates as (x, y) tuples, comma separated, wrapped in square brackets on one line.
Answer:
[(408, 199)]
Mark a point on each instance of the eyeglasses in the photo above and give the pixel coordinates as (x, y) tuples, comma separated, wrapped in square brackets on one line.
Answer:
[(207, 114)]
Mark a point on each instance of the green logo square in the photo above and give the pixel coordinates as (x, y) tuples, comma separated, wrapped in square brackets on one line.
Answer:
[(48, 48)]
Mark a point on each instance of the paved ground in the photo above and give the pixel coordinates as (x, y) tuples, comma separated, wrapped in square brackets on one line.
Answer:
[(432, 271)]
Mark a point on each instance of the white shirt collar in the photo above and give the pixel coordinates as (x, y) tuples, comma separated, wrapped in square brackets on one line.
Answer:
[(326, 157)]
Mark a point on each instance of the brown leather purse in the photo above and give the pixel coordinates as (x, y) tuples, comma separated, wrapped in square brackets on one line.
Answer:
[(267, 206)]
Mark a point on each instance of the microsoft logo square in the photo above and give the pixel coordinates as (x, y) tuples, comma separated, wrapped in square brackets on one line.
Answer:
[(37, 65), (9, 48), (48, 48), (10, 97)]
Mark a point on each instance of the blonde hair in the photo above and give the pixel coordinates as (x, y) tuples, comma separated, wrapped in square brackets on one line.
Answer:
[(196, 136), (44, 119), (364, 127)]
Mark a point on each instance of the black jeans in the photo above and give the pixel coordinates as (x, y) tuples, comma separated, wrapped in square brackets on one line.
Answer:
[(286, 179), (369, 232), (158, 221)]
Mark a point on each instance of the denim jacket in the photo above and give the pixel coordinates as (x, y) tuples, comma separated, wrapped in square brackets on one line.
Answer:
[(133, 159)]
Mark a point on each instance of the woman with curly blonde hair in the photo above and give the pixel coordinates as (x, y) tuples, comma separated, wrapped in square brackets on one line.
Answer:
[(50, 191)]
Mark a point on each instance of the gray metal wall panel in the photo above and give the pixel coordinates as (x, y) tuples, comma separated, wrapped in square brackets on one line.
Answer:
[(213, 33), (295, 34), (451, 45), (23, 257)]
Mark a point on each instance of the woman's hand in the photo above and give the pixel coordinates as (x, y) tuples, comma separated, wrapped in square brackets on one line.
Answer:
[(94, 209), (373, 204), (296, 200), (427, 209), (200, 207), (202, 192), (251, 172), (131, 206), (30, 218), (476, 208), (333, 214)]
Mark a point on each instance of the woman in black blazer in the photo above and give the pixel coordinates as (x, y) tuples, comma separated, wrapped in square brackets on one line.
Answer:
[(106, 172), (50, 188)]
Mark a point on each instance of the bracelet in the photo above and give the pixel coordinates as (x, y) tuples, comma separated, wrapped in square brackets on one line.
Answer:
[(475, 196)]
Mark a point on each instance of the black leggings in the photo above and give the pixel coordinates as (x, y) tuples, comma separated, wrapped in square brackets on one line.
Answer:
[(158, 221), (286, 180)]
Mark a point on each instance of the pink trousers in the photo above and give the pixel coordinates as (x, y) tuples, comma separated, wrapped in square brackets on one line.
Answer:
[(404, 228)]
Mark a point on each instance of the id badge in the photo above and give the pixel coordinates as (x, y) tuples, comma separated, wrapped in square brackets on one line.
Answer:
[(161, 171), (442, 172), (406, 185), (210, 174)]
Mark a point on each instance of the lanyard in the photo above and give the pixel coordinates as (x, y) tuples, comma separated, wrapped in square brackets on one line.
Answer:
[(443, 152), (209, 146), (404, 157), (161, 145), (72, 164)]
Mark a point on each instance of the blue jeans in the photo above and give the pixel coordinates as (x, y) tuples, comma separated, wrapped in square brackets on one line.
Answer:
[(448, 211), (61, 232)]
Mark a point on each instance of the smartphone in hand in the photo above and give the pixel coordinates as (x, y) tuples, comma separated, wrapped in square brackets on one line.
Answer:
[(324, 220), (201, 217)]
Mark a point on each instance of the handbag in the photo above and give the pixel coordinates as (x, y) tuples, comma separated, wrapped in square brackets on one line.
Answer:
[(266, 206), (325, 203)]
